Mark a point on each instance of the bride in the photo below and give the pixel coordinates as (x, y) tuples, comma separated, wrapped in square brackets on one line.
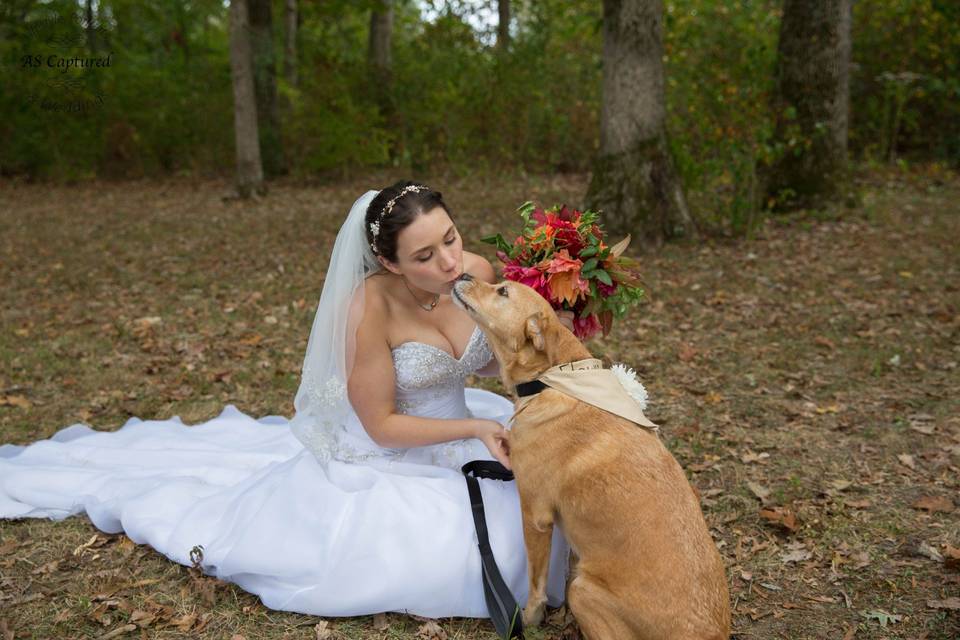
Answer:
[(357, 504)]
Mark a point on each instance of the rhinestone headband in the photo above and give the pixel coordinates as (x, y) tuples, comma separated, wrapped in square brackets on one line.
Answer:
[(375, 225)]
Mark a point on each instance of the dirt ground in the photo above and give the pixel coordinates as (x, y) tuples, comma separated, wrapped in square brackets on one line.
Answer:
[(806, 378)]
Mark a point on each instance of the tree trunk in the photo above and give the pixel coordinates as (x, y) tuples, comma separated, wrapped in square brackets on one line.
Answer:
[(381, 32), (91, 28), (634, 181), (812, 104), (290, 44), (503, 26), (380, 62), (249, 169), (265, 86)]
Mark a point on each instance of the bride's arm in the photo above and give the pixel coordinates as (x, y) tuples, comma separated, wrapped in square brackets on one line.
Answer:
[(371, 390)]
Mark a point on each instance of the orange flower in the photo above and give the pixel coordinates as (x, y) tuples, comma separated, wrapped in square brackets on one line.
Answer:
[(564, 280)]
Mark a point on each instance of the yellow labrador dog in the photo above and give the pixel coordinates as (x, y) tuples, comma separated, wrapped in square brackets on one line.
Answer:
[(646, 566)]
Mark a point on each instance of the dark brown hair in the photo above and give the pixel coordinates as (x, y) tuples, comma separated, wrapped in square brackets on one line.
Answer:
[(404, 211)]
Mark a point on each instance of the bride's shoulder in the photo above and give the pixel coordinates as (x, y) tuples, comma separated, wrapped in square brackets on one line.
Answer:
[(369, 306), (479, 267), (374, 296)]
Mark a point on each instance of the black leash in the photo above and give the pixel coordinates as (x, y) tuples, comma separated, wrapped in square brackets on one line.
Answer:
[(504, 610)]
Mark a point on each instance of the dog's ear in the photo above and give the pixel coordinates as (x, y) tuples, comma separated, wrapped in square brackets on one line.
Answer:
[(534, 330)]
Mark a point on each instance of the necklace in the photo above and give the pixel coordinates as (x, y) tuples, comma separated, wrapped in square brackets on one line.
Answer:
[(426, 307)]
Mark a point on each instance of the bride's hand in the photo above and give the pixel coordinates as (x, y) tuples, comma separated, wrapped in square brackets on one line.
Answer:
[(495, 437)]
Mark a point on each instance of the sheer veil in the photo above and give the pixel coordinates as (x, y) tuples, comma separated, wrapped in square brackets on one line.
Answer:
[(321, 402)]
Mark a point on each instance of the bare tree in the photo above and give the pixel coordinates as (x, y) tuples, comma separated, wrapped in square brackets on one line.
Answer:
[(249, 169), (503, 26), (265, 85), (634, 182), (812, 104)]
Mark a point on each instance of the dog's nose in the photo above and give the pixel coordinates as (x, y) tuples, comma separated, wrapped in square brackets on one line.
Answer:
[(466, 277)]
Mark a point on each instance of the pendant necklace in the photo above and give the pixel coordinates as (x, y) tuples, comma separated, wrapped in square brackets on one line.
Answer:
[(426, 307)]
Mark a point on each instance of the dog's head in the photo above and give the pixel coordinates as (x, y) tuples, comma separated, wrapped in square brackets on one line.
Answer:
[(522, 328)]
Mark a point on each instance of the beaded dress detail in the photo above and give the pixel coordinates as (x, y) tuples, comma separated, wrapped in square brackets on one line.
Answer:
[(426, 374), (429, 383)]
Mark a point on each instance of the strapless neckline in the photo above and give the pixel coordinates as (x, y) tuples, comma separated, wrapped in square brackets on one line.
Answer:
[(466, 350)]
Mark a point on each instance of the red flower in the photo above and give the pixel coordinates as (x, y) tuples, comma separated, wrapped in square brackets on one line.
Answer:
[(530, 276), (606, 289), (585, 328), (565, 232), (567, 214), (554, 220), (569, 238)]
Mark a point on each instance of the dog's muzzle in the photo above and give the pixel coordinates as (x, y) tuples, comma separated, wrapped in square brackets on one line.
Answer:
[(464, 279)]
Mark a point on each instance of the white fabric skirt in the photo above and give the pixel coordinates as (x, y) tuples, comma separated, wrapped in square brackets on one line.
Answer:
[(342, 539)]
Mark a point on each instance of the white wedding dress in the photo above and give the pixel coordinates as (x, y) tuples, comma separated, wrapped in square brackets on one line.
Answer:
[(357, 529)]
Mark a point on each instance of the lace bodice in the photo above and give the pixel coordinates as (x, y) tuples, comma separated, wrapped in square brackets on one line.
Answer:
[(427, 376), (419, 366), (429, 383)]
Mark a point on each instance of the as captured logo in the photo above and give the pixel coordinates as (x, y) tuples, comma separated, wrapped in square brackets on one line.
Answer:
[(60, 80)]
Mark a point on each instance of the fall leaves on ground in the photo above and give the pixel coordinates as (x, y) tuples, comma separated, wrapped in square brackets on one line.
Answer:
[(805, 379)]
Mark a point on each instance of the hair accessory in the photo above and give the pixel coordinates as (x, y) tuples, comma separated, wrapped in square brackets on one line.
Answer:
[(375, 225)]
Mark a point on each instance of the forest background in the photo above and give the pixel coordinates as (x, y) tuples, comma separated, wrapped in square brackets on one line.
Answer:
[(458, 102)]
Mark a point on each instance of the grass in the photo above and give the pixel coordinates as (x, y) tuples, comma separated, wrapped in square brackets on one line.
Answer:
[(778, 344)]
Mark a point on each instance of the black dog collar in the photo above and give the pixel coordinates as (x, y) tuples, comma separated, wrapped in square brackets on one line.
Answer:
[(530, 388)]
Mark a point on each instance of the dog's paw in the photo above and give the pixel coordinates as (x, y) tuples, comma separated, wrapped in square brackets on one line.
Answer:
[(533, 614)]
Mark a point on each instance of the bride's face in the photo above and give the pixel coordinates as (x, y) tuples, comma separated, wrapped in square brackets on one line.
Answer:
[(430, 252)]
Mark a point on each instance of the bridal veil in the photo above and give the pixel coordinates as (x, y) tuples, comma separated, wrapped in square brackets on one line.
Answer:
[(321, 403)]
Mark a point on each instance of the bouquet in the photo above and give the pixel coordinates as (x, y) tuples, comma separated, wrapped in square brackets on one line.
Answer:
[(563, 255)]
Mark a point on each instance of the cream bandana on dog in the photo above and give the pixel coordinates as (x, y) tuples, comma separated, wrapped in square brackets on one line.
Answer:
[(588, 381)]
